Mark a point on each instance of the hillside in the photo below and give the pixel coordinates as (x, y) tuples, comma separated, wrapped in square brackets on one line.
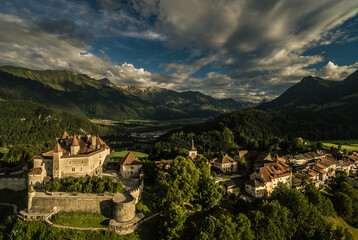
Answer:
[(194, 103), (316, 94), (24, 122), (254, 129), (83, 96)]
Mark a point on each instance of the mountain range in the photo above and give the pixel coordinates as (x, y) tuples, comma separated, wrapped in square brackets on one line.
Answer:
[(313, 94), (87, 97)]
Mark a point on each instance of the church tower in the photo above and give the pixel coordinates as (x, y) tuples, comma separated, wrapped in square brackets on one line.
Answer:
[(193, 151), (57, 154)]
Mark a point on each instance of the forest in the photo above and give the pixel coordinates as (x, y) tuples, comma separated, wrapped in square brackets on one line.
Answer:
[(191, 207), (253, 130)]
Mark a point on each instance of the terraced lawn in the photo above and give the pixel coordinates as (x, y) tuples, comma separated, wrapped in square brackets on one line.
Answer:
[(121, 154), (78, 219)]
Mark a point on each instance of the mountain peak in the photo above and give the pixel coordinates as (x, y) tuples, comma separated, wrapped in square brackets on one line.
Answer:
[(352, 77), (308, 79), (104, 81)]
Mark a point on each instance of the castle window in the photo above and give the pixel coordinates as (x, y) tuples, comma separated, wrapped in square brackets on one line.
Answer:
[(73, 169)]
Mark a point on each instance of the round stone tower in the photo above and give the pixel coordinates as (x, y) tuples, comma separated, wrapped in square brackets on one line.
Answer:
[(30, 196), (123, 208)]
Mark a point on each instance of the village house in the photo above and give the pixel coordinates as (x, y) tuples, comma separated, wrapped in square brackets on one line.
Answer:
[(130, 166), (346, 164), (232, 186), (303, 159), (261, 159), (225, 163), (353, 158), (267, 177), (74, 156), (255, 188), (326, 168)]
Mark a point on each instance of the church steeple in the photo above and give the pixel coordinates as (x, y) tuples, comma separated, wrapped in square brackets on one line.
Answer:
[(192, 153), (192, 145)]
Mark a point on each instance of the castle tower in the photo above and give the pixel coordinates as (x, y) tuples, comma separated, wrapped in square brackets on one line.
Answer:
[(30, 196), (93, 141), (75, 146), (57, 154), (193, 151)]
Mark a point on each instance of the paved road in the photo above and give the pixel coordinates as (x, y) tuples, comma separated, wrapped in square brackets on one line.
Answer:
[(222, 177)]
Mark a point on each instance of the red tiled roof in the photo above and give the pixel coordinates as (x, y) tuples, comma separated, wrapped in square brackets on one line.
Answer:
[(224, 159), (62, 145), (75, 142), (130, 159), (273, 170), (31, 190), (35, 171), (64, 135), (242, 153), (57, 148)]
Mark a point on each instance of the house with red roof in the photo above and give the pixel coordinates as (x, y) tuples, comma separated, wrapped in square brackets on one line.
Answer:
[(225, 163), (130, 166), (266, 178)]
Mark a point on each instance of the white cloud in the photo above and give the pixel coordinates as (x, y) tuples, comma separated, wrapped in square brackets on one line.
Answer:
[(335, 72), (260, 43), (24, 46)]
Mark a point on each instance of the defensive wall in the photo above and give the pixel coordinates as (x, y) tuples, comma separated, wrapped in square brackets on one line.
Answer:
[(120, 207)]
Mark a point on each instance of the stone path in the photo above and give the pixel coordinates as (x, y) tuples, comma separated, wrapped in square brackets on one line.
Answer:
[(75, 228), (10, 205)]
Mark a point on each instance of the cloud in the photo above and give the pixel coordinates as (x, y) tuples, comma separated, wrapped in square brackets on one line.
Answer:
[(245, 49), (335, 72), (65, 28), (260, 43), (23, 45)]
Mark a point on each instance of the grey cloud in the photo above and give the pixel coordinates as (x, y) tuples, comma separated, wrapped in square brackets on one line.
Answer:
[(65, 28), (260, 42)]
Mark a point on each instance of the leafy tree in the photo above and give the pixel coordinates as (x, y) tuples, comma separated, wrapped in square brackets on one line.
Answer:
[(323, 204), (100, 187), (174, 219)]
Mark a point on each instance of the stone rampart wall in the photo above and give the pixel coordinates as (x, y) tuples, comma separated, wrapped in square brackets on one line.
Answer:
[(12, 183), (43, 205)]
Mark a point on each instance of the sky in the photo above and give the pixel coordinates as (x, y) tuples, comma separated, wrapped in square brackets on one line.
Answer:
[(248, 50)]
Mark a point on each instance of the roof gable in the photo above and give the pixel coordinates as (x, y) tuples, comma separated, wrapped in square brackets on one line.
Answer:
[(130, 159)]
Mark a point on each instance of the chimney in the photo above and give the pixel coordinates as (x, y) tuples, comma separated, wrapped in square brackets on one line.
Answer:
[(67, 141), (93, 142)]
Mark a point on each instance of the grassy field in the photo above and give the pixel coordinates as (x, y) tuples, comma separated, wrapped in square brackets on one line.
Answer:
[(41, 231), (350, 144), (78, 219), (4, 150), (349, 148), (338, 221), (122, 153)]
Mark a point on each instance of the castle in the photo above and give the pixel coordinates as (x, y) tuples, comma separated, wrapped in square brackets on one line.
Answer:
[(72, 156), (78, 156)]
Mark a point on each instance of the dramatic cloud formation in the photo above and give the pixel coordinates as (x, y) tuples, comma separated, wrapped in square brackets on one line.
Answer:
[(244, 49)]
